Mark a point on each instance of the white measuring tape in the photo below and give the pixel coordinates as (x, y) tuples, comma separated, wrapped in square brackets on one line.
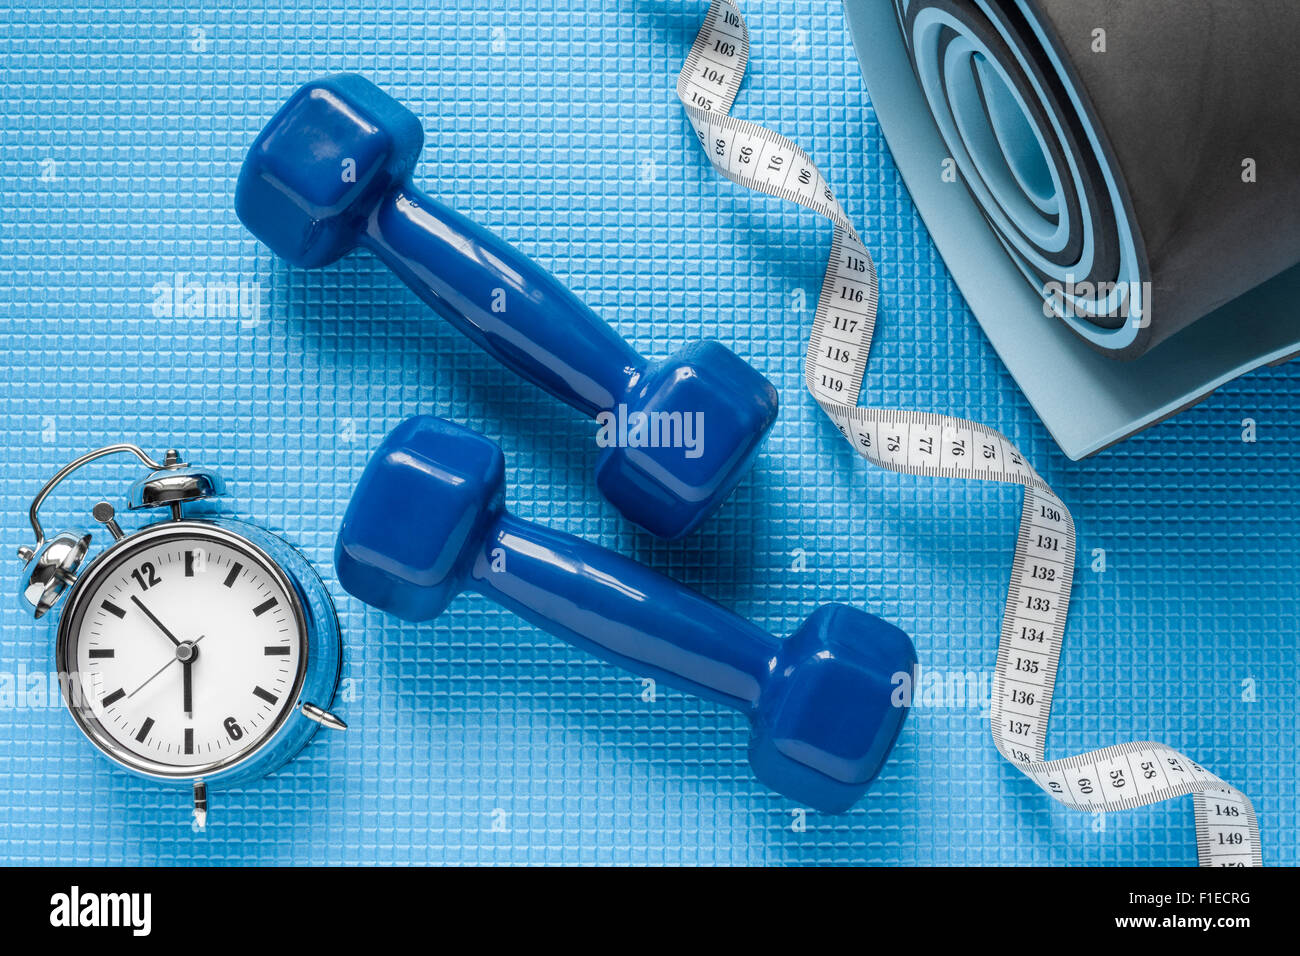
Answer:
[(918, 443)]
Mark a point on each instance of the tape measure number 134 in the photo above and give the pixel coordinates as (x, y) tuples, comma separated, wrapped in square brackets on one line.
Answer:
[(919, 443)]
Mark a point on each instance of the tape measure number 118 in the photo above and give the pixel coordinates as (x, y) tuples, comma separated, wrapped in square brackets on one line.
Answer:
[(917, 443)]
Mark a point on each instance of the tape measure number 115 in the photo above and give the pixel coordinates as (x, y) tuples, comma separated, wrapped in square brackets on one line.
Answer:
[(919, 443)]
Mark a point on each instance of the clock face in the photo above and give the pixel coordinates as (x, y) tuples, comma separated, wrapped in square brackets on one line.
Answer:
[(184, 651)]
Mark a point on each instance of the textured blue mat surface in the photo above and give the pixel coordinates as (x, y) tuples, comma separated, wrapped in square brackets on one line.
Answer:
[(480, 740)]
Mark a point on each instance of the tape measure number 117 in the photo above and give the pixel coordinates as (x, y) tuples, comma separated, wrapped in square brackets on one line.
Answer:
[(918, 443)]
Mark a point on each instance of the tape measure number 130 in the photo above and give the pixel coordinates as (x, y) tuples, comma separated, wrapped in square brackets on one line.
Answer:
[(918, 443)]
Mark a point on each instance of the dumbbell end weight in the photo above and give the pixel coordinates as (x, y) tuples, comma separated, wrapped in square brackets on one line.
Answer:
[(685, 436), (427, 520), (318, 169), (830, 716)]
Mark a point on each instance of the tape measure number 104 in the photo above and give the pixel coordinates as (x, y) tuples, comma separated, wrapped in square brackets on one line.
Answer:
[(917, 443)]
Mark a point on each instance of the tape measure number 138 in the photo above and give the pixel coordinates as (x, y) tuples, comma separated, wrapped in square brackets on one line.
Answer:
[(917, 443)]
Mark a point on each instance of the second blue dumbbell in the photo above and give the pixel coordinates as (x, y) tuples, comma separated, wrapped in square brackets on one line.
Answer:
[(428, 520), (330, 173)]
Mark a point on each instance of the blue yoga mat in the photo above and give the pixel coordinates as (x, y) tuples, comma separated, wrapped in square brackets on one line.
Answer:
[(1106, 180)]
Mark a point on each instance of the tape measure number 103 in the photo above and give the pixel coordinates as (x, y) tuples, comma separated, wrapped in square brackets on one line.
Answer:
[(918, 443)]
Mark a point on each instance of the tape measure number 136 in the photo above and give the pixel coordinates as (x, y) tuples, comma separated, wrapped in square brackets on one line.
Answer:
[(918, 443)]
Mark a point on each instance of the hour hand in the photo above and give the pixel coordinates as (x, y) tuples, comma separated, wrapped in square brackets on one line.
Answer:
[(157, 623), (187, 687), (187, 654)]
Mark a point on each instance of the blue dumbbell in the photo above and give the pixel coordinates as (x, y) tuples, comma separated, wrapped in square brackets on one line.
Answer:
[(330, 172), (427, 520)]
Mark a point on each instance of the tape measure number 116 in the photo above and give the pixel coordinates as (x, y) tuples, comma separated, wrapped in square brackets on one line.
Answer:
[(918, 443)]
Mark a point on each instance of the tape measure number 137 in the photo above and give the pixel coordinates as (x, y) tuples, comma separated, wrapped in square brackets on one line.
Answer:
[(918, 443)]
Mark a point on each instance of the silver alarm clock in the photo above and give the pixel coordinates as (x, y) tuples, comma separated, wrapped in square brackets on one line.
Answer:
[(196, 651)]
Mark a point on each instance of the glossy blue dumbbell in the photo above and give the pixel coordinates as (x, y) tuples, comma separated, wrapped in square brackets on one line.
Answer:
[(427, 520), (330, 172)]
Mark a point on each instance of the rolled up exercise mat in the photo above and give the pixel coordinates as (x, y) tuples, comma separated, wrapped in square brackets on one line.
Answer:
[(1132, 188)]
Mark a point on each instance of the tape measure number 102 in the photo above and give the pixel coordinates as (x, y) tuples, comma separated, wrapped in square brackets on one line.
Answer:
[(918, 443)]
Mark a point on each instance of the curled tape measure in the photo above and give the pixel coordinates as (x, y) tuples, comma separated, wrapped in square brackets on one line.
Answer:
[(918, 443)]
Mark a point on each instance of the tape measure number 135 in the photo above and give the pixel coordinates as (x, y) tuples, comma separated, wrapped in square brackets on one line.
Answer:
[(918, 443)]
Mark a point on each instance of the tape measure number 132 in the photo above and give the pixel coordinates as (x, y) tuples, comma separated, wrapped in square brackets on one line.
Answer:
[(918, 443)]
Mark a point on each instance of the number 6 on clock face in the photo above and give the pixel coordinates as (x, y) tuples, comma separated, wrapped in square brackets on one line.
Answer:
[(185, 651)]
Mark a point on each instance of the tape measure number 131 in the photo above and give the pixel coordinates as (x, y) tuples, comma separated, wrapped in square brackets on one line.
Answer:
[(918, 443)]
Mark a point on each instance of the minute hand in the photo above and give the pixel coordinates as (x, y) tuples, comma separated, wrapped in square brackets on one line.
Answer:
[(159, 624)]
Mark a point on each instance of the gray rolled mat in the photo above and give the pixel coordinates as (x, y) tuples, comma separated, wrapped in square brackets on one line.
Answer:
[(1133, 165)]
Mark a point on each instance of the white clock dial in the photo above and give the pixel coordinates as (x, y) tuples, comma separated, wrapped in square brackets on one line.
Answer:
[(186, 651)]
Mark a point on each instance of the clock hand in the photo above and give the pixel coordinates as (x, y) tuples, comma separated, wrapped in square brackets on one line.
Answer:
[(162, 627), (150, 678), (187, 686)]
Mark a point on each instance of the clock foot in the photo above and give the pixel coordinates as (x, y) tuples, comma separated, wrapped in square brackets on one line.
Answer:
[(200, 805)]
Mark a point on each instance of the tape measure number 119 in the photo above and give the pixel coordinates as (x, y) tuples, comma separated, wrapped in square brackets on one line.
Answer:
[(917, 443)]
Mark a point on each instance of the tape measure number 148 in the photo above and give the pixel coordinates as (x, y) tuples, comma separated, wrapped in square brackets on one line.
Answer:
[(919, 443)]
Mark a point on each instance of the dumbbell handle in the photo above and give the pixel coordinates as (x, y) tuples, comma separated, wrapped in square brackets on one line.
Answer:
[(503, 300), (623, 612)]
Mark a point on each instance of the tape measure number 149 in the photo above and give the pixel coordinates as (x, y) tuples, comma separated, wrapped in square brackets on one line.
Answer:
[(918, 443)]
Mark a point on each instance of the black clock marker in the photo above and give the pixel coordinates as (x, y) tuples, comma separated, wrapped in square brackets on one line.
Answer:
[(234, 573), (189, 564), (97, 652), (144, 729), (264, 607), (113, 609), (114, 697), (275, 650), (189, 740), (265, 694)]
